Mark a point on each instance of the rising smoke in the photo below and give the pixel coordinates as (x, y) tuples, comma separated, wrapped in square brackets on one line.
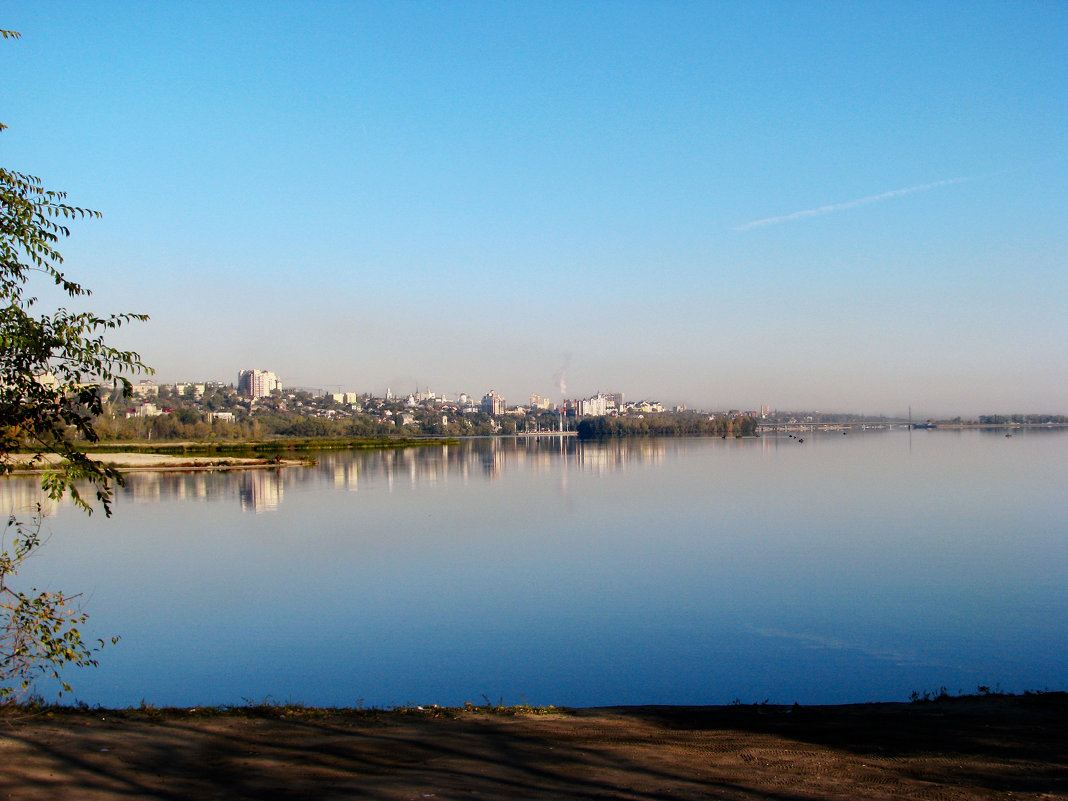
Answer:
[(560, 377)]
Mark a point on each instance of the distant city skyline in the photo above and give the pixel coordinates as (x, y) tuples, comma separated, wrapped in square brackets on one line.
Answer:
[(246, 383), (836, 207)]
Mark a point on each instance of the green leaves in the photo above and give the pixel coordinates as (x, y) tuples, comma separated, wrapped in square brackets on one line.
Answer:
[(40, 635), (54, 368), (55, 371)]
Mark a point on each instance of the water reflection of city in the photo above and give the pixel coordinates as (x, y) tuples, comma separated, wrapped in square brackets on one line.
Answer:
[(260, 491), (256, 490), (21, 495)]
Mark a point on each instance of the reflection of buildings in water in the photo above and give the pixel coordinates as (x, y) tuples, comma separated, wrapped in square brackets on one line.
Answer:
[(537, 454), (20, 496), (457, 463), (150, 487), (433, 467), (384, 462), (408, 460), (652, 451), (185, 486), (261, 490), (346, 475), (144, 487), (541, 461), (488, 458), (596, 458), (492, 464), (441, 465), (613, 455), (258, 490), (419, 464)]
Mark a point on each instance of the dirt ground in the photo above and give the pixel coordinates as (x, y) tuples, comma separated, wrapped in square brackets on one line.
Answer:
[(959, 748)]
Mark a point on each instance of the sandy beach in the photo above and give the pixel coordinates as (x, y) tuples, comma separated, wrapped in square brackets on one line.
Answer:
[(957, 748)]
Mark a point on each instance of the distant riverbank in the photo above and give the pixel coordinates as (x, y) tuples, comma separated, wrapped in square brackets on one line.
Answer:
[(214, 455), (766, 427), (248, 447), (130, 461)]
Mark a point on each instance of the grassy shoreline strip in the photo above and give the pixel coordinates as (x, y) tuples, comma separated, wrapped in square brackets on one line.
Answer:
[(965, 703)]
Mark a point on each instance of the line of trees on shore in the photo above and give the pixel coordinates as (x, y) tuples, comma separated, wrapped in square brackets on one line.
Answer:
[(186, 423), (189, 420), (666, 425), (1024, 419)]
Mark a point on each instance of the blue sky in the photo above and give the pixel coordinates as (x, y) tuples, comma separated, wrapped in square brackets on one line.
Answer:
[(856, 206)]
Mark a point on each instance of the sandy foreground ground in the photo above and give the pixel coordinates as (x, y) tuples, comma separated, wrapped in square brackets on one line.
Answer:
[(961, 748)]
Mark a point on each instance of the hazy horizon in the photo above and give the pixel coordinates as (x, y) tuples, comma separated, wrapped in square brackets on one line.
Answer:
[(854, 208)]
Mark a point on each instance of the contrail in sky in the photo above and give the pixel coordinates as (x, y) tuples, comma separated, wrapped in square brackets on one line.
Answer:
[(849, 204)]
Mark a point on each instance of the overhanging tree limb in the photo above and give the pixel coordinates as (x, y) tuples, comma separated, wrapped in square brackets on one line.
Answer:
[(53, 366)]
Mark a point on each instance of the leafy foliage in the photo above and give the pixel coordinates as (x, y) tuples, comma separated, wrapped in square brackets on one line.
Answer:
[(39, 635), (51, 365), (52, 368)]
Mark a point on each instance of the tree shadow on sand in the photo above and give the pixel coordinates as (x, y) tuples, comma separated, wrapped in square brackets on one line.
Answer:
[(646, 753)]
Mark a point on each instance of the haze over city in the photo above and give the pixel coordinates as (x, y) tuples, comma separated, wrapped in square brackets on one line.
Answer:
[(853, 207)]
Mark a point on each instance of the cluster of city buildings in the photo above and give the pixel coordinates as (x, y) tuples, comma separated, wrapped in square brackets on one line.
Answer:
[(256, 386)]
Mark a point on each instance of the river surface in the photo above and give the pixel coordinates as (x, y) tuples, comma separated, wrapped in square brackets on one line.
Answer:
[(844, 568)]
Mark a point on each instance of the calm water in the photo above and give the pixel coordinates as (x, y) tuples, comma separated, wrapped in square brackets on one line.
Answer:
[(692, 571)]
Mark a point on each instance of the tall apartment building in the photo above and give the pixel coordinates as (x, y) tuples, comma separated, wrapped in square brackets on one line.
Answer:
[(492, 403), (257, 383), (597, 406)]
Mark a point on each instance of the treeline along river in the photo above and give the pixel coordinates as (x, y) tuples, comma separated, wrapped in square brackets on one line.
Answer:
[(854, 567)]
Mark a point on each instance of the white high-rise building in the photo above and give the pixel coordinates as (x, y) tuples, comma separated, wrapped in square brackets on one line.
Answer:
[(257, 383), (492, 403), (597, 406)]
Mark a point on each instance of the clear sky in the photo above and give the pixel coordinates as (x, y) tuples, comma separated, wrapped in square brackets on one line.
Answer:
[(851, 207)]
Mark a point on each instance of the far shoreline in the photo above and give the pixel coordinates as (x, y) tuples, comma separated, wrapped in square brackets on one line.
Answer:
[(209, 455), (137, 462)]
